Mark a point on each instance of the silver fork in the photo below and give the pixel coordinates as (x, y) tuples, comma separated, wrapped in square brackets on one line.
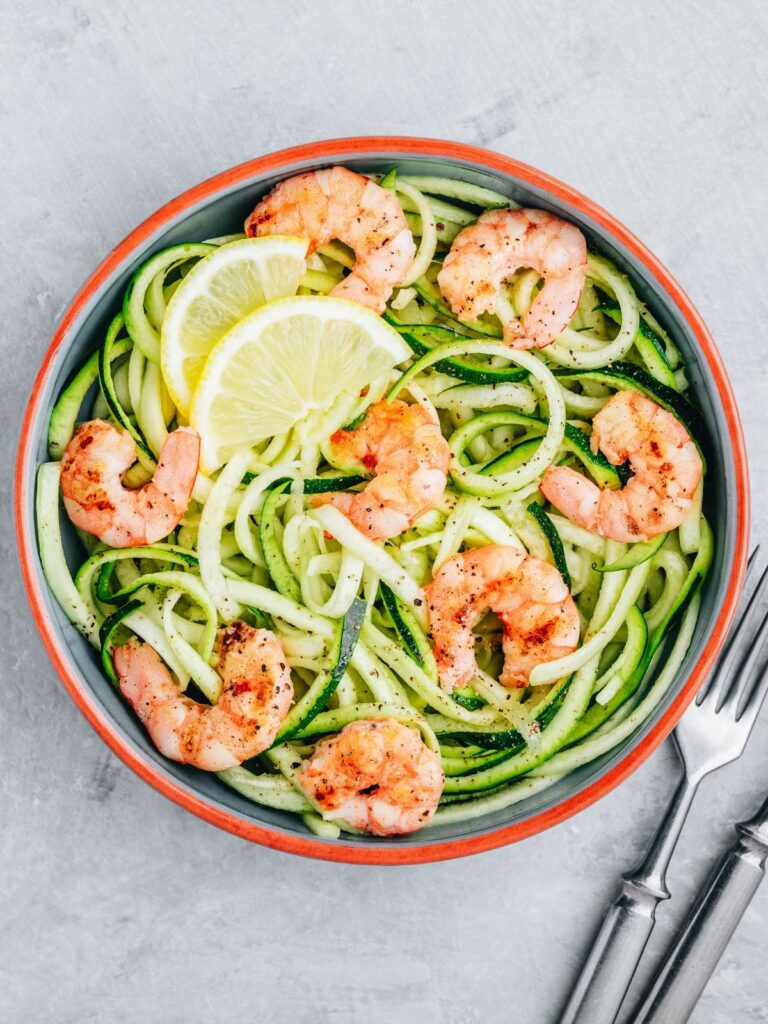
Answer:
[(712, 733)]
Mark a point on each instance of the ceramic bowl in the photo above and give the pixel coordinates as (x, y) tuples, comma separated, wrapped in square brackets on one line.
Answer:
[(219, 206)]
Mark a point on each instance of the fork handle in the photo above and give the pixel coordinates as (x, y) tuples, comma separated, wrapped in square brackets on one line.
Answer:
[(614, 957), (695, 954)]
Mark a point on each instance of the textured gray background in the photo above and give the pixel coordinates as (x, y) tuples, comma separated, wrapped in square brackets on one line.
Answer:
[(114, 904)]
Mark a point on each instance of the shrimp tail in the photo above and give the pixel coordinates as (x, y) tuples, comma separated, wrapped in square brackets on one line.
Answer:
[(173, 482), (96, 500)]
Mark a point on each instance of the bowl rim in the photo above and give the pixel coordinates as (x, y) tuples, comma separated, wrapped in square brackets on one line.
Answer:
[(308, 845)]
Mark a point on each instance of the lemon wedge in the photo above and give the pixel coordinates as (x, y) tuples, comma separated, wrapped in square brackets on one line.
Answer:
[(216, 294), (283, 363)]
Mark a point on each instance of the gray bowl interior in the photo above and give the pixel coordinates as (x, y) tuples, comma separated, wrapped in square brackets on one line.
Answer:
[(225, 213)]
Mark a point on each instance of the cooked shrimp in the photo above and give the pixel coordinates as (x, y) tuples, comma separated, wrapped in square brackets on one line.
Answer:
[(498, 244), (244, 721), (94, 496), (337, 203), (402, 445), (377, 775), (538, 615), (666, 465)]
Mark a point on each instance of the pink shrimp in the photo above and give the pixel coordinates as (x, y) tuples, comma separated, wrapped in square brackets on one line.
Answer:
[(539, 617), (377, 775), (94, 496), (502, 242), (666, 464), (244, 721), (403, 446), (337, 203)]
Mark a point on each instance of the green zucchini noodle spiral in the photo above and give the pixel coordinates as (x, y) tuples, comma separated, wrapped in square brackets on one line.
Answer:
[(349, 612)]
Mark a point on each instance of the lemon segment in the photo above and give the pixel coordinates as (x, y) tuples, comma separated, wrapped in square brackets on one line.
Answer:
[(218, 292), (286, 361)]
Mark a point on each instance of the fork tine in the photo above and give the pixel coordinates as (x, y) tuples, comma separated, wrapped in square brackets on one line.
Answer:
[(755, 689), (750, 710), (751, 563), (722, 677), (733, 632), (744, 679)]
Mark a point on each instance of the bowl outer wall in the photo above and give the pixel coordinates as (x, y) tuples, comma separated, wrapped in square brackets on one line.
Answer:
[(218, 810)]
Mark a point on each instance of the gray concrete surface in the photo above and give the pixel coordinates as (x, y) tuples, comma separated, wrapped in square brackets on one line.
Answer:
[(114, 904)]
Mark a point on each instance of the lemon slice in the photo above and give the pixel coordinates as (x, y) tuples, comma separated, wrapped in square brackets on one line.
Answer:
[(217, 293), (282, 363)]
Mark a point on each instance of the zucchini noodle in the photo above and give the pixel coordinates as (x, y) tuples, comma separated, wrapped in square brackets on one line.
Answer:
[(350, 612), (586, 351), (209, 534), (428, 242)]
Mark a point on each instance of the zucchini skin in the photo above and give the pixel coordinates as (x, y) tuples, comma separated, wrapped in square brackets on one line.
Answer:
[(647, 342), (107, 354), (107, 631), (510, 739), (319, 484), (552, 538), (102, 563), (636, 555), (623, 375), (418, 648), (278, 568), (137, 323), (596, 714), (324, 686), (411, 634), (520, 759), (64, 415), (469, 701), (455, 768), (604, 473), (592, 715), (389, 180), (574, 441), (442, 307), (423, 338)]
